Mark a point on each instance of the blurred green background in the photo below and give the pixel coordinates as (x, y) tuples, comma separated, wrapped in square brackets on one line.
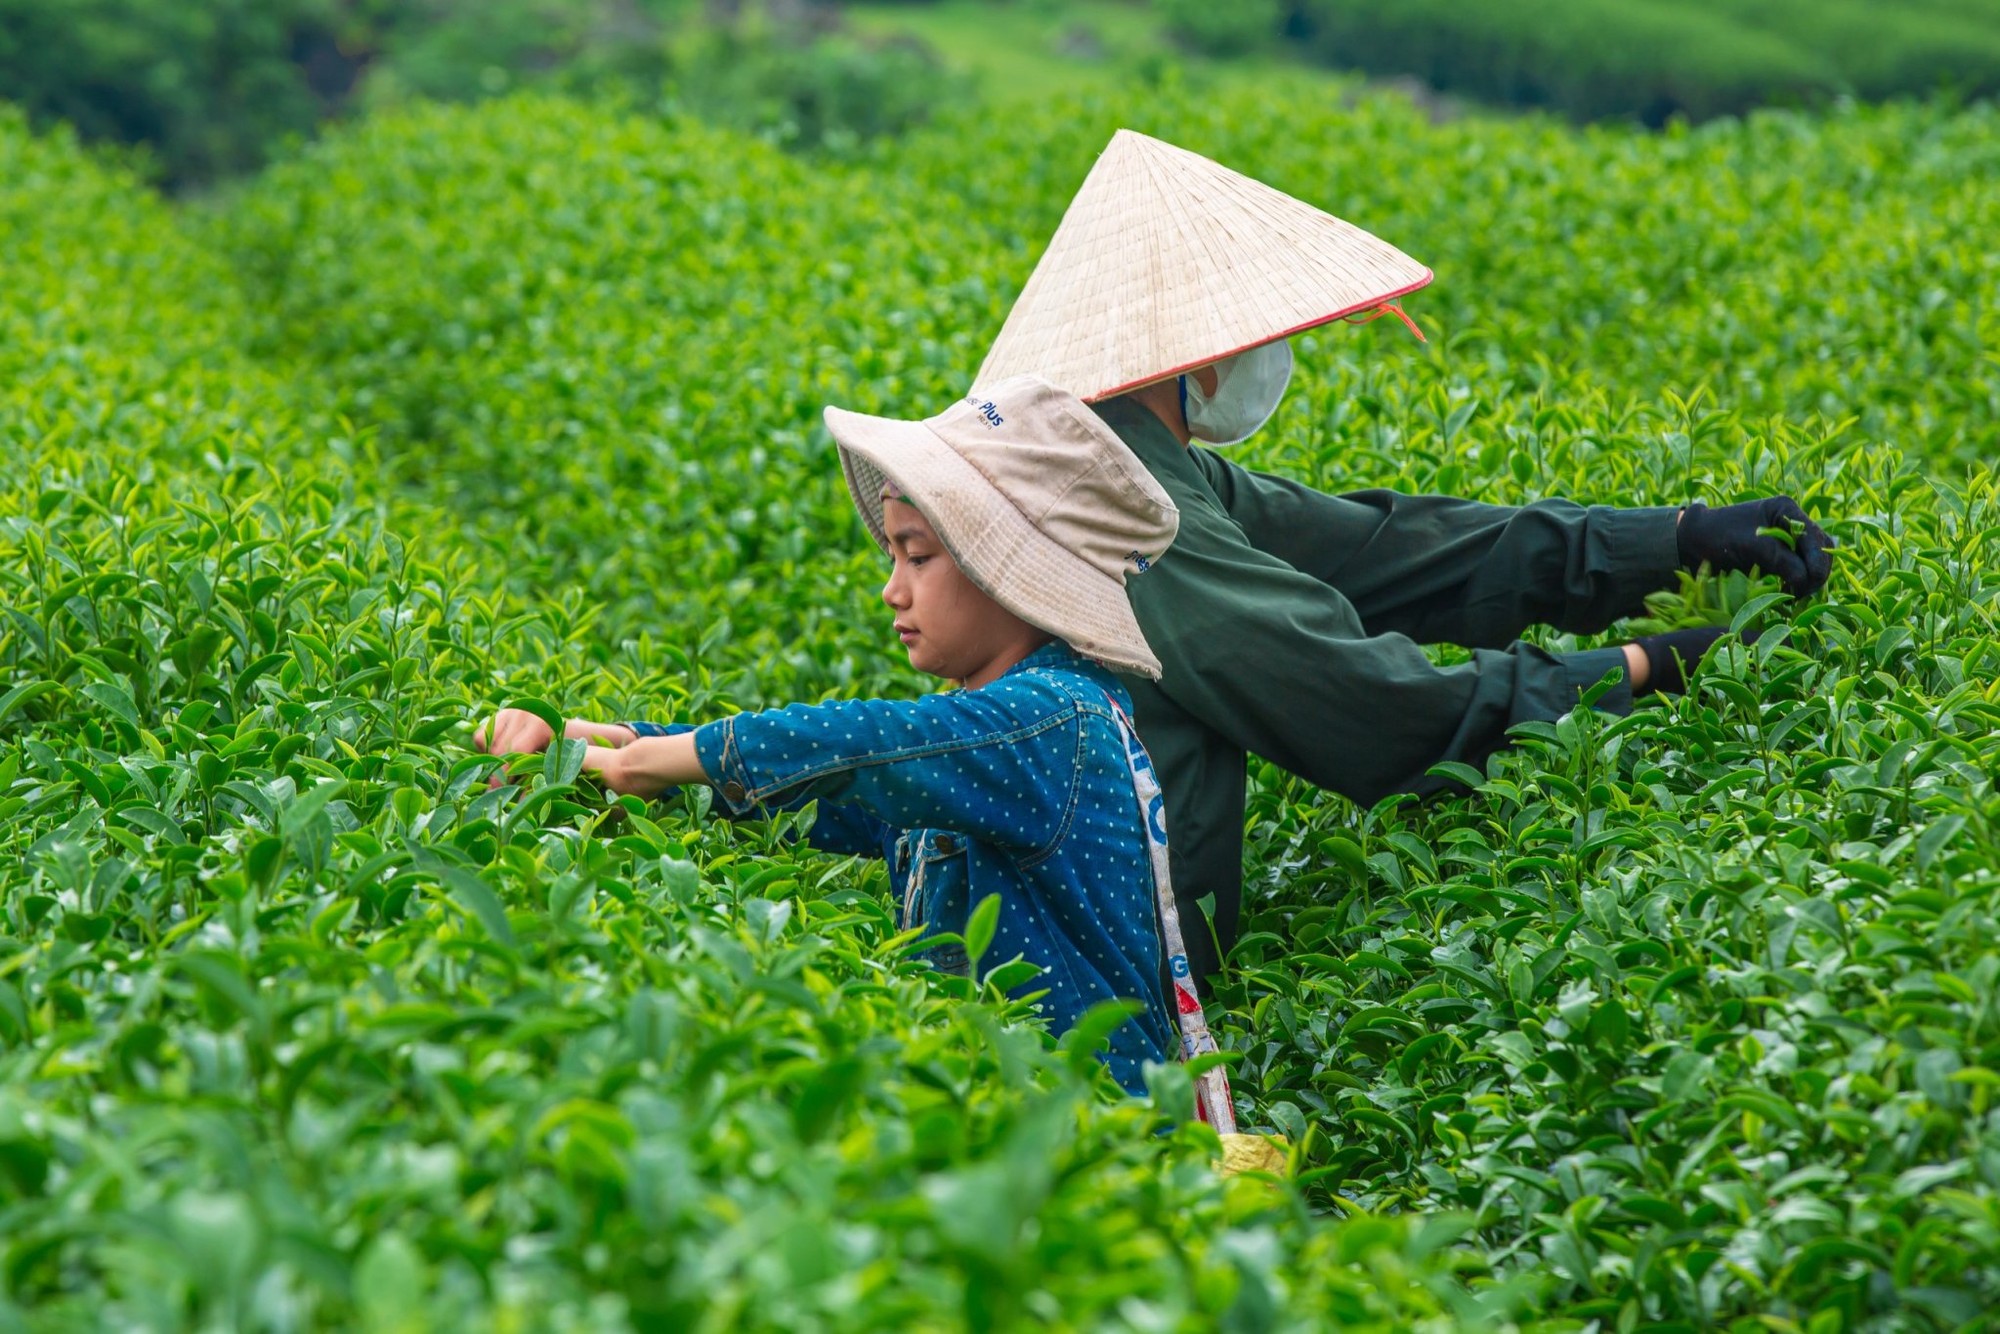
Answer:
[(209, 89)]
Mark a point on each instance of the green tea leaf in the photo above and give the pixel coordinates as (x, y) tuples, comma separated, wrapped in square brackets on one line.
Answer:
[(979, 928)]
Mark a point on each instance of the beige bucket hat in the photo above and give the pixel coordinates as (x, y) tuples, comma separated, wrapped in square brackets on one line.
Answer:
[(1039, 502), (1166, 261)]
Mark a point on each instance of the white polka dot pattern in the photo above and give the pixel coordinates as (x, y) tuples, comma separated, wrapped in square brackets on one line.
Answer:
[(1019, 788)]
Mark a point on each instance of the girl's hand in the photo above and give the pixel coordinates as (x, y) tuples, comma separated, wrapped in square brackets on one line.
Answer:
[(519, 732), (512, 732)]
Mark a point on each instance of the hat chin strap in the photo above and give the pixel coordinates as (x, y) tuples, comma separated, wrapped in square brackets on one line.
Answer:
[(1387, 308)]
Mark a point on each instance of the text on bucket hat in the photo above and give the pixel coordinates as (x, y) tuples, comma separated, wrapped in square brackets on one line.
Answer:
[(1166, 261), (1039, 502)]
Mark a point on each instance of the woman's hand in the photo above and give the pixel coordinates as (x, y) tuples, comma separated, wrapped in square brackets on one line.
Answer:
[(1744, 537)]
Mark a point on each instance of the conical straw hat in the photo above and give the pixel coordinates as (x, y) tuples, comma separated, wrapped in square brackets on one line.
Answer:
[(1166, 261)]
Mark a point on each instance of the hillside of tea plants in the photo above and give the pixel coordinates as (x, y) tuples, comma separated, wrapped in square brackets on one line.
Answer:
[(1682, 1020), (1645, 61)]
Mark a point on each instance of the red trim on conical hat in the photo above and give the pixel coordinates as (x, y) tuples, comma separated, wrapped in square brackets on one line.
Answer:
[(1381, 306)]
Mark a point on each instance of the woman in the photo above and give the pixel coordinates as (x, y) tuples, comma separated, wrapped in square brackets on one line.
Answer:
[(1291, 622)]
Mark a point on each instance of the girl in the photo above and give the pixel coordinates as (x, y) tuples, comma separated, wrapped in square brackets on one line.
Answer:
[(1012, 520)]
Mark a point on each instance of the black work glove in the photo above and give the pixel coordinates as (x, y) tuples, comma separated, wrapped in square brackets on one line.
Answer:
[(1727, 539), (1672, 655)]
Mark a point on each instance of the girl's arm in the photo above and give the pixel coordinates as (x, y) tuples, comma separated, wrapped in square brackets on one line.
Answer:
[(602, 734), (647, 766), (655, 764), (627, 762), (998, 763), (641, 760), (518, 732)]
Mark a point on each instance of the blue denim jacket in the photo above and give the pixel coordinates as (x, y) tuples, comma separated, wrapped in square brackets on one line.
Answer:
[(1019, 788)]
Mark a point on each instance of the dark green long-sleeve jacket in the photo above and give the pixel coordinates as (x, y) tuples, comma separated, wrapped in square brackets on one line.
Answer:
[(1289, 623)]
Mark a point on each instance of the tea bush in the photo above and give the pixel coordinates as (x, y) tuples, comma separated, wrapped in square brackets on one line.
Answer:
[(1650, 61), (1682, 1018)]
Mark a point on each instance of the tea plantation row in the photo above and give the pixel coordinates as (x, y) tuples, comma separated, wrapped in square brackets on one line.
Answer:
[(1635, 59), (1682, 1018)]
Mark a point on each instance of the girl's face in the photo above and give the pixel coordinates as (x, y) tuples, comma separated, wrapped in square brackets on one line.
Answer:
[(949, 627)]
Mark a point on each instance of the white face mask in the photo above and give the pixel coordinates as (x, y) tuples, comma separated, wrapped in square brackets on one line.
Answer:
[(1248, 389)]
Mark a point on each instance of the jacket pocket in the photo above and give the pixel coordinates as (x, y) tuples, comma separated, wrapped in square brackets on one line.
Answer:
[(936, 895)]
